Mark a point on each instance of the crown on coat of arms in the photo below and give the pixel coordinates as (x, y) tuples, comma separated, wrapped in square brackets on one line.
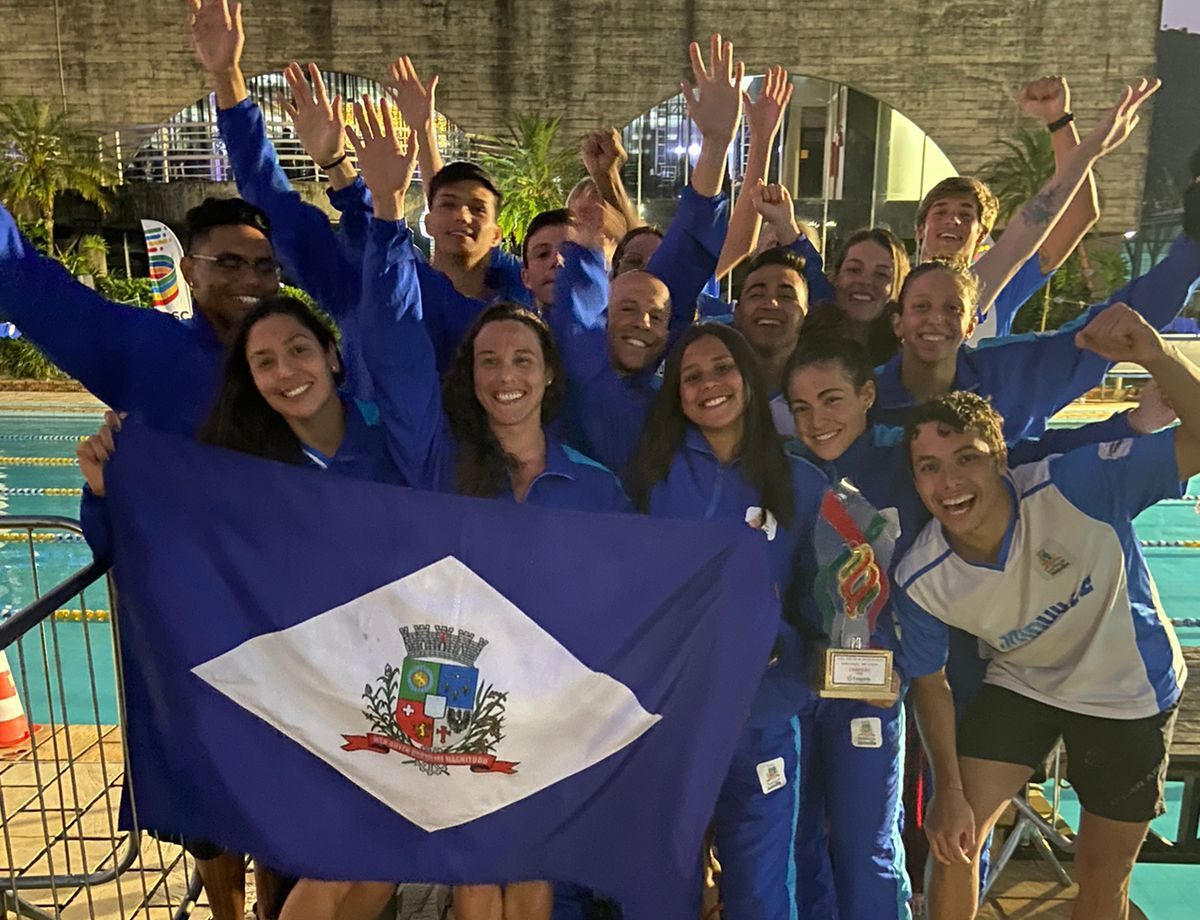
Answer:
[(435, 641)]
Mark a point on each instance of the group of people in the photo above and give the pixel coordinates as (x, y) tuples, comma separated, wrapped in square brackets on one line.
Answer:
[(596, 374)]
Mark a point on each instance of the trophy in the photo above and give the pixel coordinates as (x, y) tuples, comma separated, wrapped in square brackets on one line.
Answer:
[(854, 544)]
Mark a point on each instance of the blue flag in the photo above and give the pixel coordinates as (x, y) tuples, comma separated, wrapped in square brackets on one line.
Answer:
[(349, 680)]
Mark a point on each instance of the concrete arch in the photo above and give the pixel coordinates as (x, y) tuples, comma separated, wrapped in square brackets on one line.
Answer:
[(950, 65)]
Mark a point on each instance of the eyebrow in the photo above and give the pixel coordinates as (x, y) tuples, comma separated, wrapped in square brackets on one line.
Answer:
[(287, 341), (492, 351)]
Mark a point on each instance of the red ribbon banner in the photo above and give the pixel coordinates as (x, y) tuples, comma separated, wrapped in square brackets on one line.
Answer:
[(381, 744)]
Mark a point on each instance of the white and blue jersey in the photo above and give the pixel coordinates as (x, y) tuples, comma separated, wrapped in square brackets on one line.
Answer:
[(998, 320), (1069, 615)]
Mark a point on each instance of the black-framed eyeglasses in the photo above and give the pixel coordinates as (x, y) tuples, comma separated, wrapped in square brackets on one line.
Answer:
[(233, 264)]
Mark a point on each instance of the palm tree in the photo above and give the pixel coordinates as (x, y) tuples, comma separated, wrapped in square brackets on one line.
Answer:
[(532, 169), (1015, 178), (41, 155)]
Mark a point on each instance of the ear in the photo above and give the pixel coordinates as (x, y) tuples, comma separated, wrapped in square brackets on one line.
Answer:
[(897, 323), (335, 361), (497, 236), (187, 265), (868, 393), (525, 277)]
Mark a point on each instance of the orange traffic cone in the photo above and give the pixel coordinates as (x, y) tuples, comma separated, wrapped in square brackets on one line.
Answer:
[(14, 727)]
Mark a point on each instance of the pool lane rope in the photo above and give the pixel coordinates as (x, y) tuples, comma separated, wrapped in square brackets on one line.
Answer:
[(44, 437), (9, 490), (38, 461)]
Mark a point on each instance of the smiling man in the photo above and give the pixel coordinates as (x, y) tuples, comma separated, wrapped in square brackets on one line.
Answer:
[(957, 215), (769, 313), (143, 362), (541, 254), (1043, 565)]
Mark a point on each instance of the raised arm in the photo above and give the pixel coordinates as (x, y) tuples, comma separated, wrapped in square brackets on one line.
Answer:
[(415, 100), (1120, 334), (763, 119), (764, 115), (774, 203), (1031, 377), (1028, 230), (396, 347), (578, 316), (114, 350), (1049, 101), (304, 240), (603, 155), (715, 106), (687, 257)]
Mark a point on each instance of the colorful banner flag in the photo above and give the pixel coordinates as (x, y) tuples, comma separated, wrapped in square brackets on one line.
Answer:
[(351, 680), (171, 292)]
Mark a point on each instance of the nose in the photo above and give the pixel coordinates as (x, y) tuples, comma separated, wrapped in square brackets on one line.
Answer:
[(643, 321)]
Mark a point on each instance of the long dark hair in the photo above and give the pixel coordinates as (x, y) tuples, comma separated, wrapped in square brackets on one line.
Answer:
[(763, 463), (241, 419), (483, 467)]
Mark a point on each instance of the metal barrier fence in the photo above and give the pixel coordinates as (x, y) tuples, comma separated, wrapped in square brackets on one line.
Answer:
[(64, 854)]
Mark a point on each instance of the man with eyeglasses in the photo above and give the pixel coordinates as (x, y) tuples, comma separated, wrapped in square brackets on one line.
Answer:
[(161, 370), (151, 365)]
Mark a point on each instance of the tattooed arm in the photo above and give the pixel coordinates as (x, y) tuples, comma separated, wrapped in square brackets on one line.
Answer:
[(1028, 230)]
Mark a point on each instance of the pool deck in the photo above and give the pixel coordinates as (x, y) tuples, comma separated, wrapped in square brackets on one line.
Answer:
[(39, 401), (75, 810), (60, 816)]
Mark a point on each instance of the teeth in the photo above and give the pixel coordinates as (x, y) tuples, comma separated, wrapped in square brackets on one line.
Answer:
[(509, 397), (249, 301), (296, 391), (768, 322), (826, 436), (636, 343), (931, 337), (714, 401), (958, 504), (863, 297), (947, 236)]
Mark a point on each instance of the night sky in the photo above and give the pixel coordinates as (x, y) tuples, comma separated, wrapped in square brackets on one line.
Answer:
[(1181, 14)]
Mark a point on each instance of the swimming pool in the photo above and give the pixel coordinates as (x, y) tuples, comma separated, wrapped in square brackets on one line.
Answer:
[(37, 435), (1160, 890)]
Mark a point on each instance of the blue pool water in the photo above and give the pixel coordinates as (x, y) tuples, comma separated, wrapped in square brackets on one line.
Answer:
[(1161, 891)]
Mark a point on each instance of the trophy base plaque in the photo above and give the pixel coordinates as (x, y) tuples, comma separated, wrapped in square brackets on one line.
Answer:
[(856, 674)]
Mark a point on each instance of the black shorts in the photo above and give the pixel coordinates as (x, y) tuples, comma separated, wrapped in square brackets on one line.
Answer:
[(1117, 766)]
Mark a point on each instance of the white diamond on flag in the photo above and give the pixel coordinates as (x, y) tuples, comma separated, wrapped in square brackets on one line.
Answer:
[(435, 694)]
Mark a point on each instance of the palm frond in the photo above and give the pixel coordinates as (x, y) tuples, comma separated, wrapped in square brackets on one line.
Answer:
[(1018, 174), (41, 155), (532, 168)]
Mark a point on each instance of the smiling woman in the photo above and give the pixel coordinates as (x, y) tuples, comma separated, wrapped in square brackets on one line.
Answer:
[(279, 397)]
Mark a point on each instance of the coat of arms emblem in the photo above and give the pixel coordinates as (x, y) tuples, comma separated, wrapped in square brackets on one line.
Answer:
[(435, 708)]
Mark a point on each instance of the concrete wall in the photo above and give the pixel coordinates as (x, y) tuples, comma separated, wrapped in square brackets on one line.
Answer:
[(951, 66)]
